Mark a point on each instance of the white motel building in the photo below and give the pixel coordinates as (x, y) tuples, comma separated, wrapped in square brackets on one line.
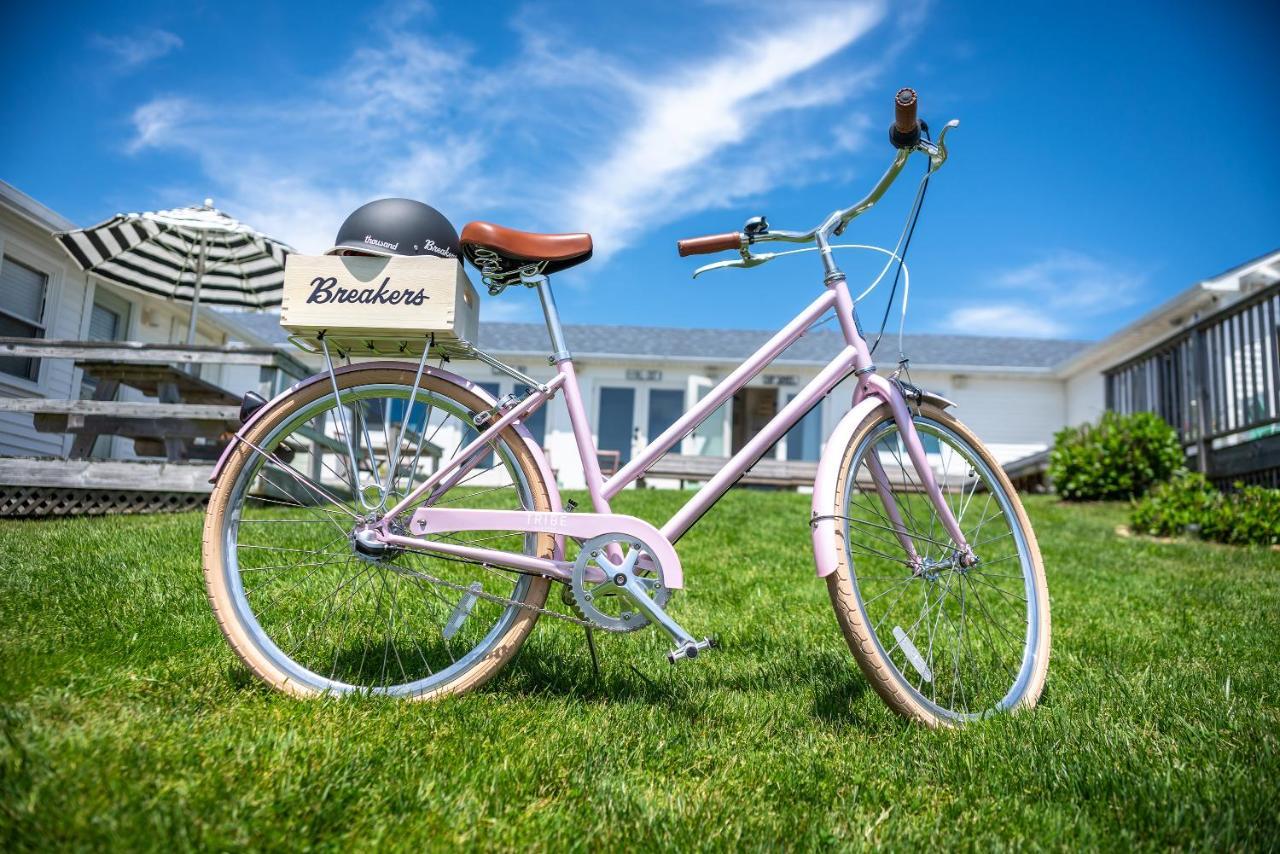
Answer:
[(1014, 392)]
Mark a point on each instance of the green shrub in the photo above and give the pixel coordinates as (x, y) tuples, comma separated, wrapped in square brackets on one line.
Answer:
[(1189, 504), (1249, 515), (1119, 457), (1178, 507)]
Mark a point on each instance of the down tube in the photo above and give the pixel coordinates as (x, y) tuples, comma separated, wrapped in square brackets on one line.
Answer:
[(835, 371)]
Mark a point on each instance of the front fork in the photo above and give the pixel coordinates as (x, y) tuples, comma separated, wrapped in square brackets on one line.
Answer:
[(874, 385)]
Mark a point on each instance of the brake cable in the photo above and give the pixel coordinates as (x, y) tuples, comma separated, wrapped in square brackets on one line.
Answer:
[(902, 259)]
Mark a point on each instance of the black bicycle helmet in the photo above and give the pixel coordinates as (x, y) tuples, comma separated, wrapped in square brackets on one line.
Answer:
[(397, 227)]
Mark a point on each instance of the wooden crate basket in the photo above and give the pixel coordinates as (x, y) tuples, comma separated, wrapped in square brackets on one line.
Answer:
[(379, 306)]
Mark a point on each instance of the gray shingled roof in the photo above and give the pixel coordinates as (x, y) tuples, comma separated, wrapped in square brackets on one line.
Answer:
[(736, 344)]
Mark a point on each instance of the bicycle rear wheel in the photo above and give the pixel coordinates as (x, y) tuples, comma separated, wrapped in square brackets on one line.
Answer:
[(313, 610), (941, 642)]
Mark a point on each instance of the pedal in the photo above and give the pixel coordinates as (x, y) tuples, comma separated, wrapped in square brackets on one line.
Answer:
[(690, 649)]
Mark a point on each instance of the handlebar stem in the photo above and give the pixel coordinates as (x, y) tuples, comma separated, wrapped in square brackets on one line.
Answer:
[(829, 269)]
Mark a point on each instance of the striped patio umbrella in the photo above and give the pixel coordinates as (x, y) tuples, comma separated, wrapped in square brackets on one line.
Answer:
[(196, 254)]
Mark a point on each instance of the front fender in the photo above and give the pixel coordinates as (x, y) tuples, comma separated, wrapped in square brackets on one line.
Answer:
[(535, 449), (936, 400), (825, 500)]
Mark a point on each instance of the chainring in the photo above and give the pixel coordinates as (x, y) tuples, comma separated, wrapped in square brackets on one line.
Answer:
[(603, 602)]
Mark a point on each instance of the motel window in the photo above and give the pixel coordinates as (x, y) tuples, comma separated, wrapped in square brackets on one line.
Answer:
[(665, 408), (617, 415), (104, 324), (22, 296), (805, 437)]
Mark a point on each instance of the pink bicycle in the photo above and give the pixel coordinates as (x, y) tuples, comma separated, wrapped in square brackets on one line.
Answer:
[(346, 549)]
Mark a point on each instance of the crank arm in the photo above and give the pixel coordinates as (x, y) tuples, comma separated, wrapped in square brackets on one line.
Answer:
[(686, 646)]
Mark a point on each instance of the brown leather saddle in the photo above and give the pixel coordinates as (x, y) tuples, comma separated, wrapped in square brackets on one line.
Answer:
[(502, 254)]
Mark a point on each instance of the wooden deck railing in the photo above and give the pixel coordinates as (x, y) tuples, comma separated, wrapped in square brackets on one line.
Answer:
[(1218, 384)]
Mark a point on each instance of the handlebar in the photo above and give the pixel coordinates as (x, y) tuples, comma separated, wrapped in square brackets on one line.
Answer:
[(904, 133), (710, 243)]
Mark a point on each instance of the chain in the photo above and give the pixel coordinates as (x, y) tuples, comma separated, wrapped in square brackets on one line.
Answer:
[(491, 597)]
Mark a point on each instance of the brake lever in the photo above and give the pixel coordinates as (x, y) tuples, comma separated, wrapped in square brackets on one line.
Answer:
[(938, 154), (745, 262)]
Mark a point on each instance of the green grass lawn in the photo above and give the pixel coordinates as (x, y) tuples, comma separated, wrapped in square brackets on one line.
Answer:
[(126, 721)]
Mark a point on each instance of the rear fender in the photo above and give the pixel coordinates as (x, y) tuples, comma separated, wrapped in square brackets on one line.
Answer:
[(525, 436)]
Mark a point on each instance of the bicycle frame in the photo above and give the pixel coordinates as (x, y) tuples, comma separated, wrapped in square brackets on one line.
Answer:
[(854, 358)]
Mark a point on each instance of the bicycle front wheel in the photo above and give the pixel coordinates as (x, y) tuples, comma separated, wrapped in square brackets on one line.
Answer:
[(940, 641)]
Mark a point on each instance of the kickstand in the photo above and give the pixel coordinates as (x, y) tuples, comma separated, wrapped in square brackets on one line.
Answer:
[(591, 645)]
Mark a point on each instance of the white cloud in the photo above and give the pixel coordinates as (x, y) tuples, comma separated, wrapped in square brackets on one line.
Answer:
[(130, 52), (1049, 297), (692, 116), (1005, 319), (556, 135), (154, 123), (1076, 281)]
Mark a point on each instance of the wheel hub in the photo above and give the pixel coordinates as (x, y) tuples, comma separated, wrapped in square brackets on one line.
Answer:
[(369, 547), (932, 570)]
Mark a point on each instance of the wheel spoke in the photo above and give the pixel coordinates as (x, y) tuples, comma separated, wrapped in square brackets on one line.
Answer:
[(950, 638), (371, 617)]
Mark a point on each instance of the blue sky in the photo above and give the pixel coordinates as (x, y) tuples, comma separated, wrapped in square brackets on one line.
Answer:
[(1110, 154)]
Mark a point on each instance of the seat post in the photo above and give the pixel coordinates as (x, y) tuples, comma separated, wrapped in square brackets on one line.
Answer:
[(559, 347)]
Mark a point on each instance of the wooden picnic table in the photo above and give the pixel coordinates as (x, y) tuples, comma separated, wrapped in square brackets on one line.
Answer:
[(188, 409), (188, 420), (151, 435)]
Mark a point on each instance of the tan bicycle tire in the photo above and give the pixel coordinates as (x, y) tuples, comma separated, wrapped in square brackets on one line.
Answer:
[(853, 623), (219, 595)]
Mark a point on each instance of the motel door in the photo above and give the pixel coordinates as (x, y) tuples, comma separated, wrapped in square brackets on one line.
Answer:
[(615, 426), (753, 408)]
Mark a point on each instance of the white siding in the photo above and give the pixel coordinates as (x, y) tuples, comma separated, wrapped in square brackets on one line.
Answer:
[(68, 301), (1014, 414), (63, 314), (1086, 397)]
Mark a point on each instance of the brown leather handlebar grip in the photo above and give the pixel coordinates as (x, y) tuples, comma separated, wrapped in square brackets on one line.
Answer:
[(904, 111), (710, 243)]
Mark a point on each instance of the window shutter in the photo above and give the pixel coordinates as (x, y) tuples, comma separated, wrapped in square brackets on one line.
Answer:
[(103, 324), (22, 290)]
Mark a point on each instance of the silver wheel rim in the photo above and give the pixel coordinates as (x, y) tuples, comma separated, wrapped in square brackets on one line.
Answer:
[(985, 593), (233, 576)]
